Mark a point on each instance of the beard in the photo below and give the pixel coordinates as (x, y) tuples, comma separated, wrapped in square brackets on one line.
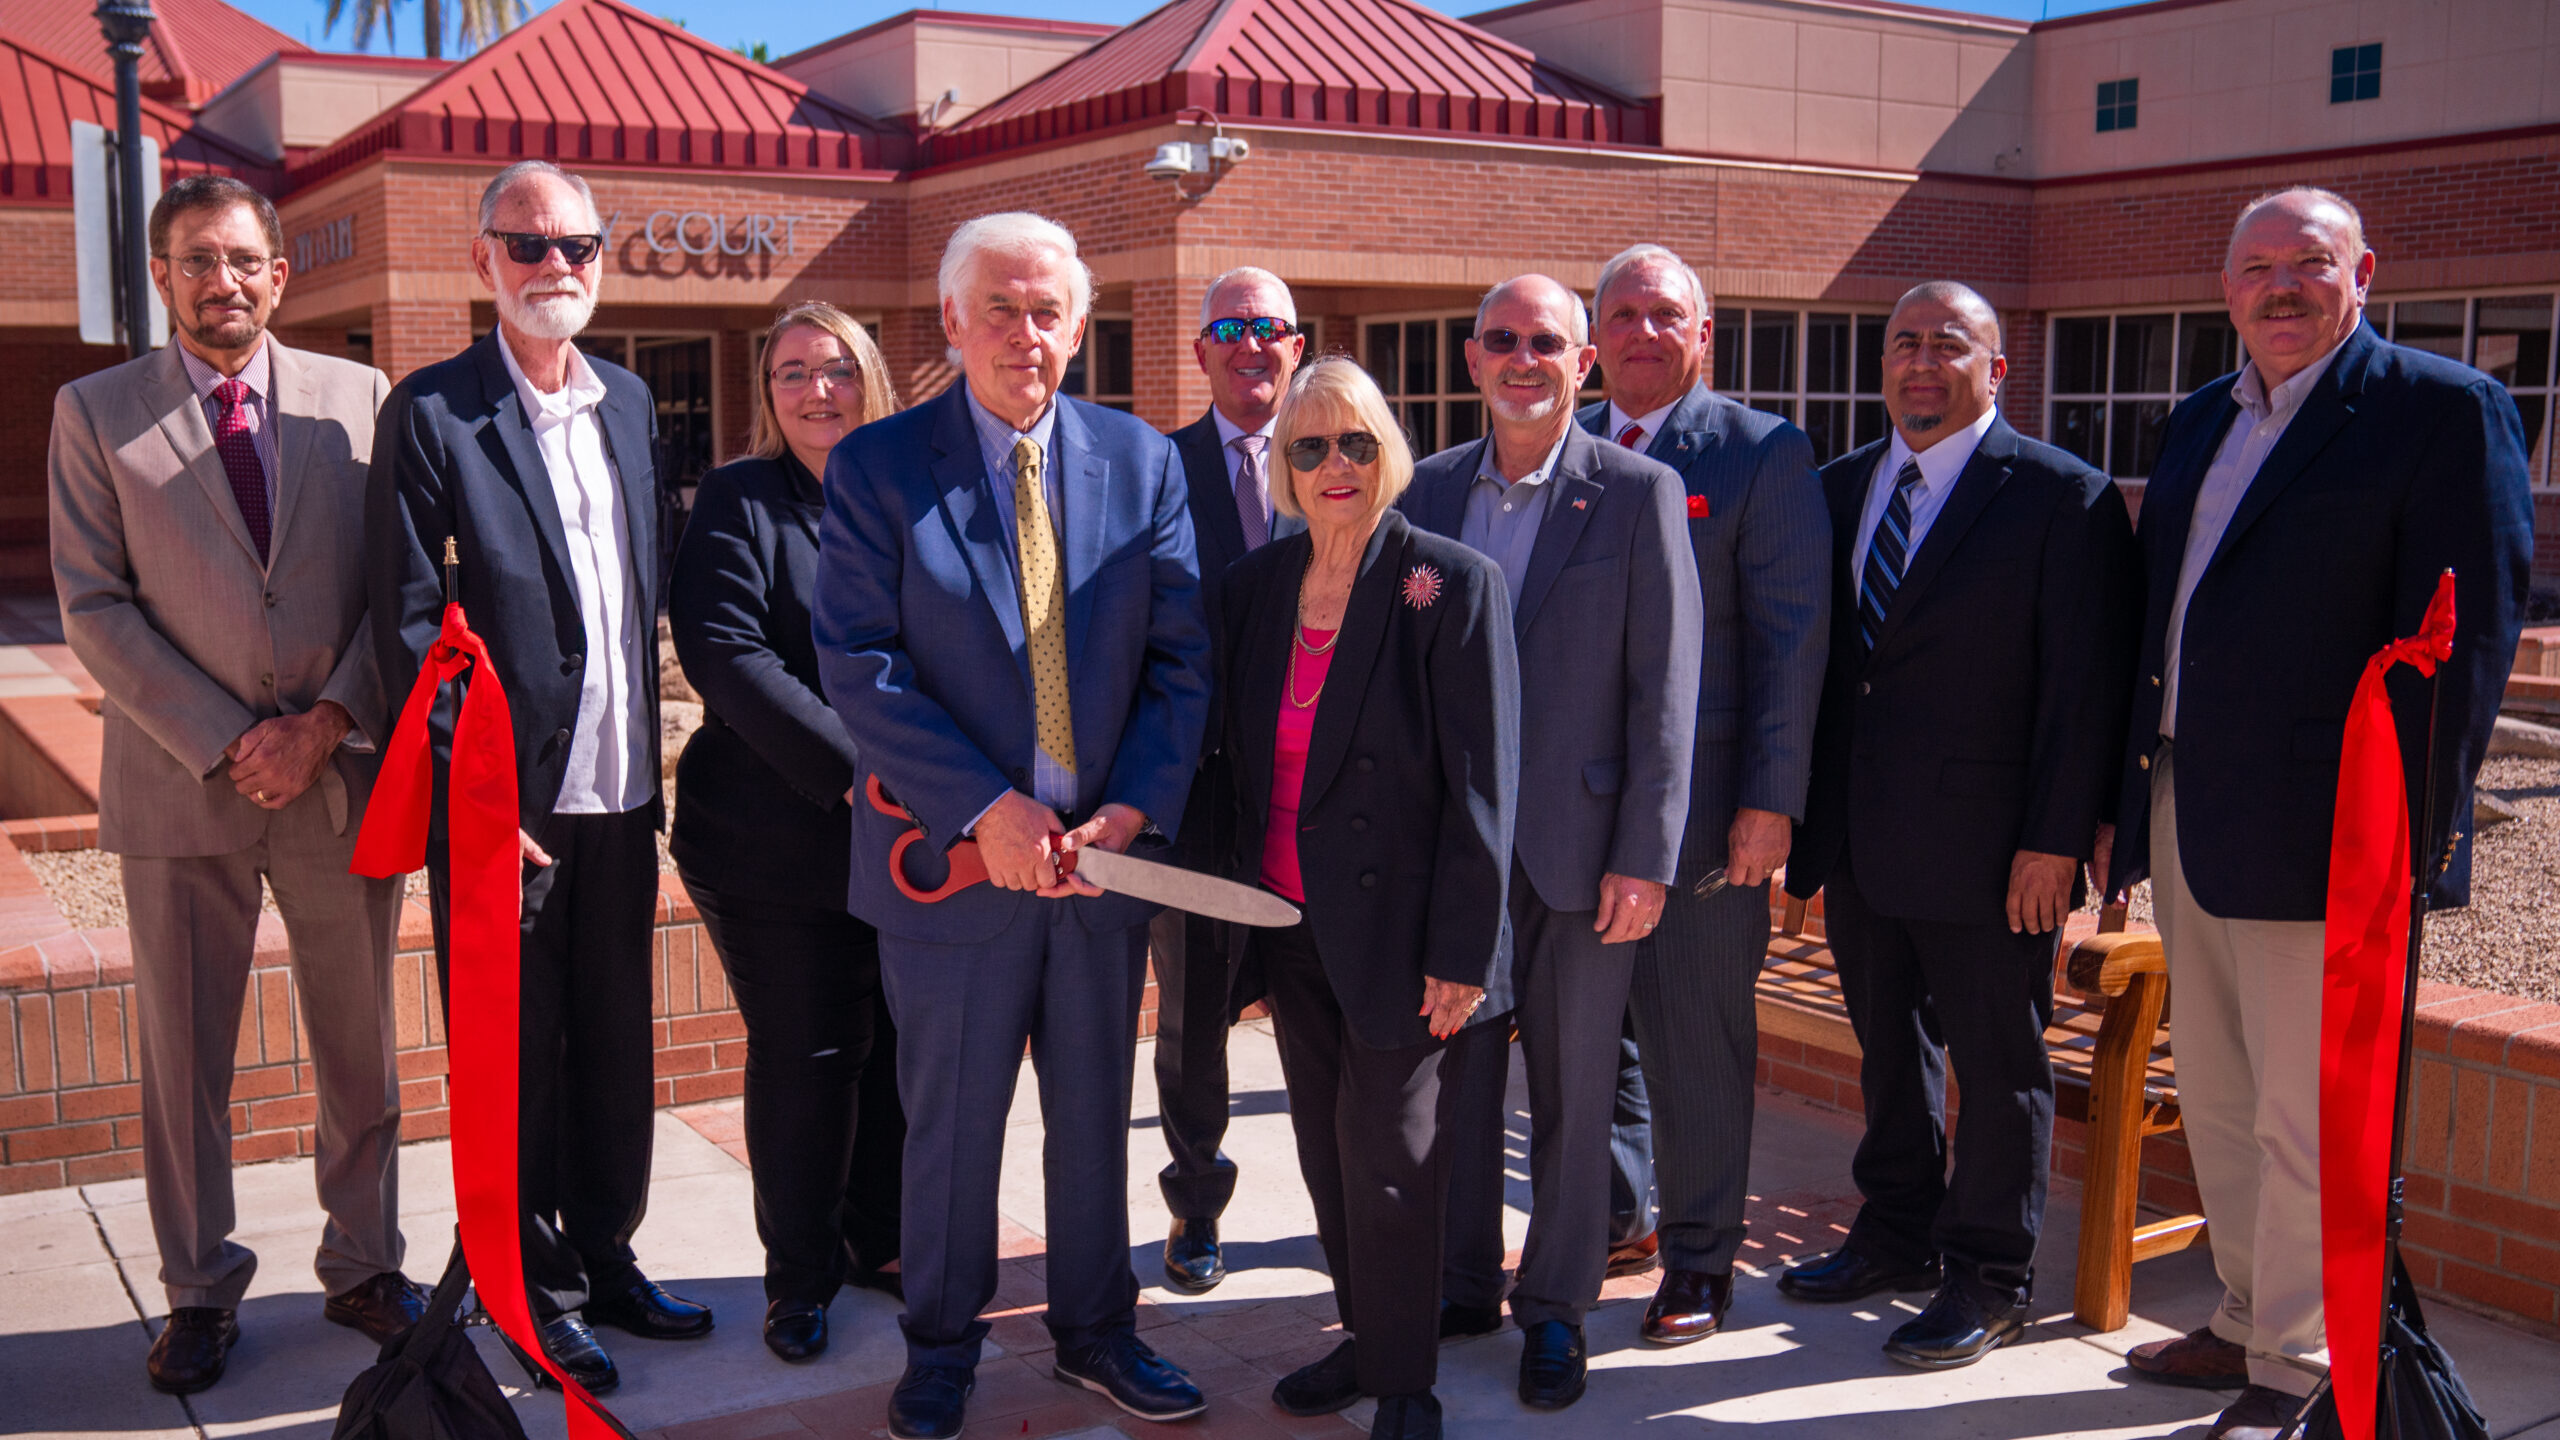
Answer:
[(558, 315), (236, 330), (1532, 410), (1922, 424)]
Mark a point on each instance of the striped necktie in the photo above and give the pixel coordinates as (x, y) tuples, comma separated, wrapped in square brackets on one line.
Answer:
[(1044, 606), (1887, 554), (1632, 437)]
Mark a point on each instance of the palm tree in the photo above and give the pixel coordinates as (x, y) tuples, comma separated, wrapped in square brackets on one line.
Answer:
[(478, 21)]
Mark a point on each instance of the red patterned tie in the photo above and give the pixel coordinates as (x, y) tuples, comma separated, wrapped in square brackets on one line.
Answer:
[(1632, 436), (239, 449)]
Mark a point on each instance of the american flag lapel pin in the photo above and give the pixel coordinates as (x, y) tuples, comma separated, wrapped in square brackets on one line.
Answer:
[(1580, 503)]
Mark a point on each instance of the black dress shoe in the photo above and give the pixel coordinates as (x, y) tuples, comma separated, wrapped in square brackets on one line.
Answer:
[(1121, 1368), (1193, 1263), (650, 1313), (192, 1348), (1329, 1384), (931, 1401), (1844, 1274), (382, 1307), (1691, 1305), (1407, 1417), (1967, 1320), (573, 1347), (1552, 1362), (795, 1329), (1465, 1322)]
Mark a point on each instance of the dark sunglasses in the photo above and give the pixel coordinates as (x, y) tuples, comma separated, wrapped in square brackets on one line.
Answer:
[(1547, 343), (1261, 327), (528, 249), (1308, 451)]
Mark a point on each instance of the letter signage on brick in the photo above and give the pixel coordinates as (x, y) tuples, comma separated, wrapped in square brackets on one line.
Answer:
[(706, 232), (325, 244)]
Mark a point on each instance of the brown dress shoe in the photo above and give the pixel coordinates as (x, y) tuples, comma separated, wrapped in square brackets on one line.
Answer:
[(1691, 1305), (2201, 1360), (382, 1307), (192, 1347), (1636, 1257), (2259, 1414)]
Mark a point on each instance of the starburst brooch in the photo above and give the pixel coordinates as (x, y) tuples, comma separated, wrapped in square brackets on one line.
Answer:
[(1421, 587)]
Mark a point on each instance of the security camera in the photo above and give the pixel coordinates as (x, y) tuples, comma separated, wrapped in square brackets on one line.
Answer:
[(1175, 159)]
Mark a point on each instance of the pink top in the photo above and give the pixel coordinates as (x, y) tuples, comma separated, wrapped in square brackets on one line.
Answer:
[(1289, 763)]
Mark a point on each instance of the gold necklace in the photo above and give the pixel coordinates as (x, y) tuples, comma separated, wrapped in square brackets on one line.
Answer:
[(1290, 688), (1289, 683)]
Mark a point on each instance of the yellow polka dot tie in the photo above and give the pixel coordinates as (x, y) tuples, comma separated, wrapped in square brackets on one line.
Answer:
[(1044, 605)]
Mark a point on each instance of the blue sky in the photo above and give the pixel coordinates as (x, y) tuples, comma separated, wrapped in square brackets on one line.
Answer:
[(788, 25)]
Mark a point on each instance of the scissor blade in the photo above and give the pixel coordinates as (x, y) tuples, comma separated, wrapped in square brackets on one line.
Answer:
[(1182, 889)]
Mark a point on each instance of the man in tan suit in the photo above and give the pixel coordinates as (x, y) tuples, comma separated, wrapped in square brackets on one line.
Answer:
[(208, 542)]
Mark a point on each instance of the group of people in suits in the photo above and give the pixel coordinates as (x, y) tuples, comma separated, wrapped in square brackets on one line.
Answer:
[(1931, 681)]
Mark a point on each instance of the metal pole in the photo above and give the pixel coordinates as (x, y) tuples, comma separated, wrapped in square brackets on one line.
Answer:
[(127, 26)]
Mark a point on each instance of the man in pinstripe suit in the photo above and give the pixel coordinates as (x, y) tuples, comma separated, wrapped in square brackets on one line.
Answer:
[(1762, 539)]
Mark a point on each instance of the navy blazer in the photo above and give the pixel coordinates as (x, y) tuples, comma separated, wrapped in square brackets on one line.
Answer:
[(2398, 465), (1763, 548), (919, 633), (1405, 817), (764, 779), (1608, 631), (453, 455), (1988, 719)]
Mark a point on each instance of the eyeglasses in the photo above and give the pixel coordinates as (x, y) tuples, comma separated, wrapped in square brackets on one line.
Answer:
[(526, 248), (1261, 327), (1308, 451), (1547, 343), (792, 379), (197, 264)]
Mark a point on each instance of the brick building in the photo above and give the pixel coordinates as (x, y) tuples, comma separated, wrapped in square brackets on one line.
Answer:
[(1812, 158)]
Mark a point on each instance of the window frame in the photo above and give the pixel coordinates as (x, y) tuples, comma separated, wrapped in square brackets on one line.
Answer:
[(1082, 367), (2119, 104), (2360, 84), (1794, 404)]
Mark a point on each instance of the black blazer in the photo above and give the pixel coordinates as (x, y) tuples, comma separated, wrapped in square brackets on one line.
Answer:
[(765, 777), (454, 456), (2398, 465), (1990, 716), (1404, 823)]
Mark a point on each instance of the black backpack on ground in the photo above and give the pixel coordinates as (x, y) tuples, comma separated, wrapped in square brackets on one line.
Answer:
[(430, 1383)]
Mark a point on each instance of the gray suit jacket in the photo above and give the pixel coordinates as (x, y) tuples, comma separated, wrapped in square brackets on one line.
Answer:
[(1609, 642), (1763, 548), (164, 599)]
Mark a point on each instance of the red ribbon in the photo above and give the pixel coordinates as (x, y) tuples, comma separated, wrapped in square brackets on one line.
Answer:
[(2365, 949), (482, 1043)]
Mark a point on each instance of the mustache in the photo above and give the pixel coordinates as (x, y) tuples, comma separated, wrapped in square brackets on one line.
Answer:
[(2280, 308)]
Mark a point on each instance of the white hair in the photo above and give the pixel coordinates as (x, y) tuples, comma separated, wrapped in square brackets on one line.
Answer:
[(2315, 195), (523, 170), (1247, 274), (1637, 257), (1016, 233), (1581, 331)]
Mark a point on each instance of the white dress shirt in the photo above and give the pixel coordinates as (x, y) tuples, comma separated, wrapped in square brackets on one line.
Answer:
[(2262, 421), (1940, 464), (607, 764), (1229, 432), (1650, 423)]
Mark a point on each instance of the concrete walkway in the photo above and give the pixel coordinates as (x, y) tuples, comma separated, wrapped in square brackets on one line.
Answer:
[(78, 1307)]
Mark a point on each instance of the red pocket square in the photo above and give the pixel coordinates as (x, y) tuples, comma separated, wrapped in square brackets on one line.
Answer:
[(1697, 507)]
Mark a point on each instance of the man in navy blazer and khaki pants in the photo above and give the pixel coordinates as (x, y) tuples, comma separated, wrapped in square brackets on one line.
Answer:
[(1593, 543), (2296, 523), (1008, 622)]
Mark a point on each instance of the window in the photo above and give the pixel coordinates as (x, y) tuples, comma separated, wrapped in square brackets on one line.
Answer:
[(2509, 336), (1421, 367), (2115, 377), (1105, 371), (2116, 101), (1823, 369), (2355, 73), (678, 371)]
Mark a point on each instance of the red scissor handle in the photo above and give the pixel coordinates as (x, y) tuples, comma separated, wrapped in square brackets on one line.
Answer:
[(968, 867)]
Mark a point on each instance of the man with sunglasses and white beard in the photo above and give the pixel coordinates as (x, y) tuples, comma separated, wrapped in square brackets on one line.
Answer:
[(1593, 540), (536, 459), (1249, 346)]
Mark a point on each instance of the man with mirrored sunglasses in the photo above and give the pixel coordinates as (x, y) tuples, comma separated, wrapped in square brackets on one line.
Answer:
[(1248, 347), (1593, 544)]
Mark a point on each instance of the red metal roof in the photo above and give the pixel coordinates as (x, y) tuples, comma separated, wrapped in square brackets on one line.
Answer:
[(1387, 66), (597, 82), (197, 46), (39, 98)]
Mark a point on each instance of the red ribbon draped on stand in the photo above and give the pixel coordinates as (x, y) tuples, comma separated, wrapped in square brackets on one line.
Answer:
[(2365, 949), (482, 1043)]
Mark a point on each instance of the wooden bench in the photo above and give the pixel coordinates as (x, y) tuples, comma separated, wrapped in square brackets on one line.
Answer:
[(2112, 1073)]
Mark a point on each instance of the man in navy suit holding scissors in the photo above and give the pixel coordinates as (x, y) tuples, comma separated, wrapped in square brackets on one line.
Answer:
[(1008, 621)]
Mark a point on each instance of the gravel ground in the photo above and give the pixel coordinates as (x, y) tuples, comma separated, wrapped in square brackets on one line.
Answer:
[(2509, 938)]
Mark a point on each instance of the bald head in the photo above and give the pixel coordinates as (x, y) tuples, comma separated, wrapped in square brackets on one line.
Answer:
[(2295, 278), (1539, 290), (1529, 356), (2298, 209), (1954, 295), (1942, 362)]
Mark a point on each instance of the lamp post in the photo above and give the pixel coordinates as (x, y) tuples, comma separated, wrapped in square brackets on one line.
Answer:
[(127, 25)]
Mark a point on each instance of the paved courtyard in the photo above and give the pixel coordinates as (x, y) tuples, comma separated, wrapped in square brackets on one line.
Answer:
[(79, 1305)]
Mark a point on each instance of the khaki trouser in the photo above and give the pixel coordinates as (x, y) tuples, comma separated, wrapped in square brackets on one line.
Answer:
[(2247, 1040)]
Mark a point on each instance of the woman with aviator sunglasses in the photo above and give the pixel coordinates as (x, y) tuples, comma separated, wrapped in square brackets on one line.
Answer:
[(1371, 715)]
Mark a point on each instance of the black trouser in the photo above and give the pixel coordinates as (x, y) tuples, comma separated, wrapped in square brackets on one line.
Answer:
[(825, 1132), (1920, 993), (587, 1092), (1191, 1062), (1371, 1128)]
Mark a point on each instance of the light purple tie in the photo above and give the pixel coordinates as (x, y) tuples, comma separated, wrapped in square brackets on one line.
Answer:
[(1257, 522)]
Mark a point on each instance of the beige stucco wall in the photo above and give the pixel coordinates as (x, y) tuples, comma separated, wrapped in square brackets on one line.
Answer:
[(304, 101), (899, 72)]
